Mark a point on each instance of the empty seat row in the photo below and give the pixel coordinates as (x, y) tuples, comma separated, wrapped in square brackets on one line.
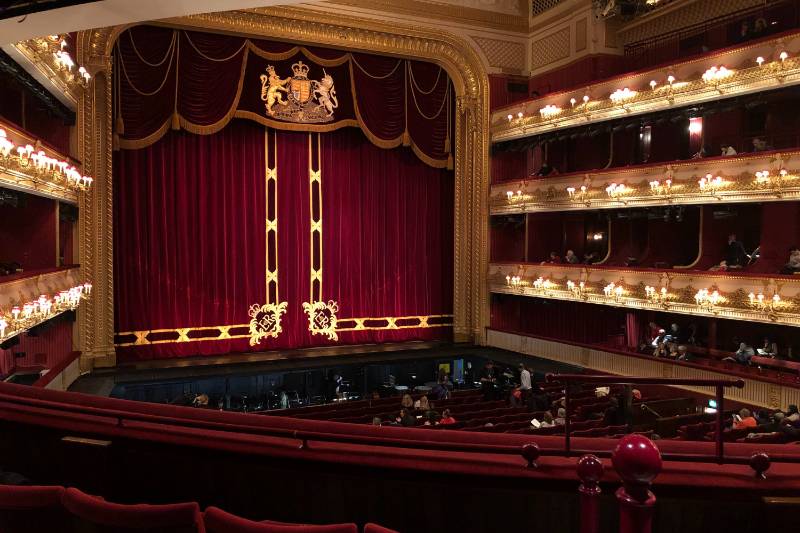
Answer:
[(49, 509)]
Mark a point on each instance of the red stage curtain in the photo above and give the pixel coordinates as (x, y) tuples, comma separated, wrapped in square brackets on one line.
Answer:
[(200, 81), (190, 246)]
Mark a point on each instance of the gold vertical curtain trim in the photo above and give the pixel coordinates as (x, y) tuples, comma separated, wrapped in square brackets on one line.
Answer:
[(177, 121)]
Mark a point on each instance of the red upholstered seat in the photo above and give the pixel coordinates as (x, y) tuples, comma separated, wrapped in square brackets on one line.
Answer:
[(375, 528), (31, 509), (218, 521), (99, 516)]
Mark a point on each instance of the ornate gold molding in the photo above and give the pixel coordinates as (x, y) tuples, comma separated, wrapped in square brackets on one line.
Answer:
[(453, 53), (241, 331), (593, 103), (756, 177), (621, 287)]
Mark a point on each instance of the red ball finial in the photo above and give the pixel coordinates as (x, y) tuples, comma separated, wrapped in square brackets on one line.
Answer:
[(636, 460), (590, 472), (531, 453)]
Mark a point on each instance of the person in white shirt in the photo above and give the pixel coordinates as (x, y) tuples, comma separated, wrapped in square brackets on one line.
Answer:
[(522, 393)]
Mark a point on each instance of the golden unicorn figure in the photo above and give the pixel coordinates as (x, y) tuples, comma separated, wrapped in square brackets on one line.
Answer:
[(271, 88), (325, 93)]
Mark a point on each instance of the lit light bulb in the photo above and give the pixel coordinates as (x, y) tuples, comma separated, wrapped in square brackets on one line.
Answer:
[(760, 60), (670, 79), (520, 114), (510, 117), (652, 84), (783, 56)]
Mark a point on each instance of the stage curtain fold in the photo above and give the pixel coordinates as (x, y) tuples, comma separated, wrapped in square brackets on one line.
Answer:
[(175, 79), (190, 246)]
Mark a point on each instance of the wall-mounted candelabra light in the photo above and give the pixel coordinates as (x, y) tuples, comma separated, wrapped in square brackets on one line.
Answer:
[(28, 161), (549, 111), (579, 195), (515, 282), (711, 184), (543, 285), (35, 312), (52, 49), (768, 306), (578, 290), (617, 192), (659, 297), (716, 75), (614, 292), (764, 179), (707, 300), (514, 197), (661, 188)]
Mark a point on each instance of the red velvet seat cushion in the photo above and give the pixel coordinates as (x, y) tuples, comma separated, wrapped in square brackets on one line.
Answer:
[(89, 511), (31, 509), (218, 521)]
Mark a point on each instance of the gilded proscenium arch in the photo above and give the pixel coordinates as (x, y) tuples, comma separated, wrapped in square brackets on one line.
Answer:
[(452, 53)]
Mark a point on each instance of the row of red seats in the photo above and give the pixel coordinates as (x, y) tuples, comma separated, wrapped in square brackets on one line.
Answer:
[(48, 509)]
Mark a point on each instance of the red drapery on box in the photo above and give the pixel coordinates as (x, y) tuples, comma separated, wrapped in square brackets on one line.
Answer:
[(190, 250), (175, 79)]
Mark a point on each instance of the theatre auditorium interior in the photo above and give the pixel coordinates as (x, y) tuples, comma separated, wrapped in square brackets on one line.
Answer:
[(399, 266)]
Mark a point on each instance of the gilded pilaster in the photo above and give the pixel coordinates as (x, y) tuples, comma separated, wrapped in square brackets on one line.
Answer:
[(95, 336)]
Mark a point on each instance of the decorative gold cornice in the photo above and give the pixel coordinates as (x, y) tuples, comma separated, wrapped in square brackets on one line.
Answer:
[(61, 83), (682, 287), (305, 26), (687, 88), (678, 183)]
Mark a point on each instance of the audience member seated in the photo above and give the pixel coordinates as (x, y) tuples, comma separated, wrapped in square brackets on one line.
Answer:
[(447, 419), (376, 421), (571, 258), (768, 349), (407, 402), (546, 170), (554, 259), (561, 417), (422, 404), (721, 267), (793, 265), (728, 150), (735, 255), (760, 145), (744, 420), (406, 419), (659, 339), (742, 355), (547, 420), (589, 258)]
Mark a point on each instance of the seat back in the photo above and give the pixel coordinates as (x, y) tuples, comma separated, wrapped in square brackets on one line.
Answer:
[(375, 528), (218, 521), (90, 513), (32, 509)]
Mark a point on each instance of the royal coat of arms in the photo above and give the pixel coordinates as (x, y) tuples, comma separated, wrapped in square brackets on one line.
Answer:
[(297, 98)]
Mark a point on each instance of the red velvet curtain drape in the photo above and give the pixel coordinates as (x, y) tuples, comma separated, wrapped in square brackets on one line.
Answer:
[(190, 247), (175, 79)]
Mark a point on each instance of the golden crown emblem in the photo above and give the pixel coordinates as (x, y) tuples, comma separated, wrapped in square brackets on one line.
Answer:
[(300, 69)]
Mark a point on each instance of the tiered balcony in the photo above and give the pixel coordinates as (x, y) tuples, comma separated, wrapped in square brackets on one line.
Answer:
[(757, 177), (757, 66), (756, 298)]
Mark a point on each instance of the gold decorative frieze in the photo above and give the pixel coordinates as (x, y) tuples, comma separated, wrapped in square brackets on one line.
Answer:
[(242, 331), (50, 58), (29, 301), (27, 165), (725, 295), (757, 177), (750, 68)]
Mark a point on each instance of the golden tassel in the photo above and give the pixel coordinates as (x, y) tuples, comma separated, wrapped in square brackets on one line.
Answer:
[(406, 139), (449, 162), (115, 141), (176, 121), (120, 125)]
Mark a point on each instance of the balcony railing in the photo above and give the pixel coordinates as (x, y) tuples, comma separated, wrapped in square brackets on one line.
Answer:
[(756, 177), (753, 67), (765, 299)]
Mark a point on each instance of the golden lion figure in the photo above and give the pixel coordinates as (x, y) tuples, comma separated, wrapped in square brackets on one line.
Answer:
[(325, 93), (271, 88)]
